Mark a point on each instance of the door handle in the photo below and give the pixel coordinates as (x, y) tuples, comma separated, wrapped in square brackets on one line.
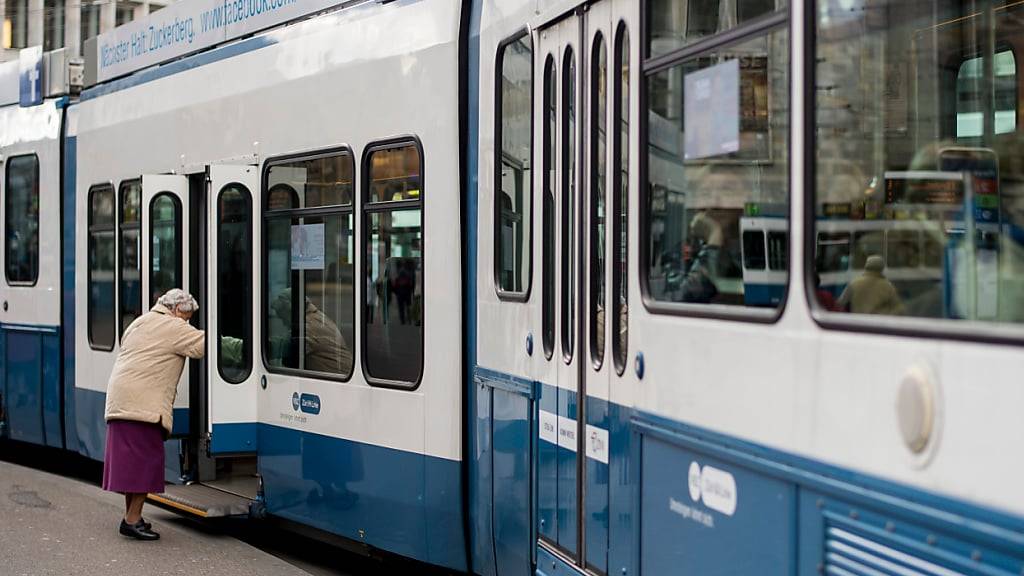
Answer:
[(263, 381)]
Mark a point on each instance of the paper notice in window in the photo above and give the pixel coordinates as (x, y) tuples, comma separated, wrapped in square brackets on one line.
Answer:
[(711, 111), (308, 247)]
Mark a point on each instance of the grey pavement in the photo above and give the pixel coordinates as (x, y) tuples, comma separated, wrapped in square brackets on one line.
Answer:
[(50, 524)]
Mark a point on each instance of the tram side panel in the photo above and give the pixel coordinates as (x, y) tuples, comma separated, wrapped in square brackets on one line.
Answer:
[(31, 287)]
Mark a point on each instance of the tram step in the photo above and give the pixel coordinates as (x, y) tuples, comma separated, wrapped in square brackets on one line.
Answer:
[(201, 500)]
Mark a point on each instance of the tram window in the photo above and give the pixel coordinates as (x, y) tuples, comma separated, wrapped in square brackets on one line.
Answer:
[(933, 163), (22, 230), (778, 251), (833, 253), (393, 244), (100, 284), (972, 91), (753, 250), (673, 24), (130, 253), (620, 201), (717, 152), (598, 189), (234, 283), (548, 233), (513, 182), (309, 258), (568, 244), (164, 245)]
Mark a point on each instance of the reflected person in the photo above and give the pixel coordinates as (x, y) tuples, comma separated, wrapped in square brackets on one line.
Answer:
[(871, 292), (324, 347)]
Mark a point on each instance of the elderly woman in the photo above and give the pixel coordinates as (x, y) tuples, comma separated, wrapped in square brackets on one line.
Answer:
[(140, 397)]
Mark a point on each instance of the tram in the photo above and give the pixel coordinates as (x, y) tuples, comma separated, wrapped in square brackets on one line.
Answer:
[(512, 287)]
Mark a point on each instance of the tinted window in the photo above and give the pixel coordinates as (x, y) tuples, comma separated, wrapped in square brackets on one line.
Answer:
[(130, 253), (926, 172), (309, 262), (717, 151), (164, 245), (393, 228), (598, 186), (101, 248), (568, 244), (548, 240), (22, 205), (234, 283), (620, 199), (673, 24), (513, 188), (753, 250)]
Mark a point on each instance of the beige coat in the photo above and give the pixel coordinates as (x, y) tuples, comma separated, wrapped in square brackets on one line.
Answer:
[(145, 378)]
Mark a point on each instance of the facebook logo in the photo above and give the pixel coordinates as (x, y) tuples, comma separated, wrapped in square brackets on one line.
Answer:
[(31, 76)]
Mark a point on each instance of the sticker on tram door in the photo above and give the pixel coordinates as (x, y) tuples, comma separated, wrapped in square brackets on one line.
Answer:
[(597, 444)]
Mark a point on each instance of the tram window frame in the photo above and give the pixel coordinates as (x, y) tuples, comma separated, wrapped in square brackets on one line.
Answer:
[(90, 312), (527, 280), (762, 26), (178, 248), (297, 212), (7, 219), (620, 194), (366, 209), (1000, 333), (247, 355), (137, 225)]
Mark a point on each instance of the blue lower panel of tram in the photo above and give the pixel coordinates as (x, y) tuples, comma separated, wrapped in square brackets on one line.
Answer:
[(403, 502), (31, 387)]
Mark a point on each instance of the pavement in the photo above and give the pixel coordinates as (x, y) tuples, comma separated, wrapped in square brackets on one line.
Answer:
[(51, 524)]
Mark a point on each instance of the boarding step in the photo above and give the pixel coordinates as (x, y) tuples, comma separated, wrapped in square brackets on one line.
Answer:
[(203, 500)]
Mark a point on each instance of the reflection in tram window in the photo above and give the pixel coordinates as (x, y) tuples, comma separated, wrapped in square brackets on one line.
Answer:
[(513, 189), (100, 282), (568, 243), (164, 245), (309, 262), (717, 169), (393, 300), (674, 24), (548, 240), (598, 187), (22, 215), (130, 253), (234, 283), (620, 202), (926, 173)]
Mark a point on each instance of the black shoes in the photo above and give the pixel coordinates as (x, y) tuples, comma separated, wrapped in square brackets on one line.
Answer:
[(140, 530)]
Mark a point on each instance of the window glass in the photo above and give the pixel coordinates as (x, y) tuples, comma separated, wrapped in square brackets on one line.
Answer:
[(568, 204), (717, 160), (927, 174), (972, 91), (395, 175), (673, 24), (164, 245), (323, 181), (393, 314), (234, 283), (101, 249), (753, 250), (598, 185), (548, 241), (514, 190), (22, 205), (778, 251), (310, 267), (130, 254), (620, 194)]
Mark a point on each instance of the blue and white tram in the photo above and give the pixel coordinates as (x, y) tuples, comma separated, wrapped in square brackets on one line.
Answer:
[(438, 248)]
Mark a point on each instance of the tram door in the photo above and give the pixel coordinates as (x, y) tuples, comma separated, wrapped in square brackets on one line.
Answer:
[(572, 120), (165, 249), (232, 382)]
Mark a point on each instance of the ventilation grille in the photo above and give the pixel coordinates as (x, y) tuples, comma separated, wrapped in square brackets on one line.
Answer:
[(849, 554)]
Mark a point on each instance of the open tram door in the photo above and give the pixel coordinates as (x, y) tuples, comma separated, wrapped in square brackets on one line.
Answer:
[(165, 252), (232, 384)]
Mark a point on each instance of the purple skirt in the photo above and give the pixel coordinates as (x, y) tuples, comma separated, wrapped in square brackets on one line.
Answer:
[(134, 459)]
